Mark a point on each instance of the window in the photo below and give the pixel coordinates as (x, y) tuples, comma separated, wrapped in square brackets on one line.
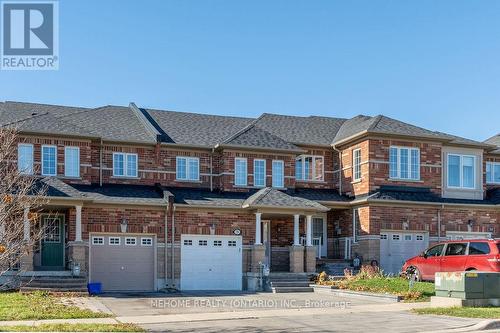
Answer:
[(278, 174), (130, 241), (479, 248), (383, 236), (124, 165), (49, 160), (188, 242), (309, 168), (240, 171), (25, 158), (114, 240), (202, 242), (435, 251), (493, 172), (355, 225), (455, 249), (146, 241), (420, 237), (404, 163), (231, 243), (408, 237), (395, 237), (356, 164), (217, 243), (461, 171), (72, 162), (188, 168), (259, 173), (97, 240)]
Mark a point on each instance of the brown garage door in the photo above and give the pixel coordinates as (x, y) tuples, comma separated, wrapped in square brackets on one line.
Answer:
[(122, 262)]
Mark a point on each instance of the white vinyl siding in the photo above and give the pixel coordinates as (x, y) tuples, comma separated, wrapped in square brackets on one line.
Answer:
[(124, 165), (309, 168), (240, 171), (404, 163), (49, 160), (259, 173), (25, 158), (188, 168), (278, 173), (461, 171), (493, 172), (356, 164), (72, 162)]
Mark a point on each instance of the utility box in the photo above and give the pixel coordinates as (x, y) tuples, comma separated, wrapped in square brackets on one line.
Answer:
[(468, 285)]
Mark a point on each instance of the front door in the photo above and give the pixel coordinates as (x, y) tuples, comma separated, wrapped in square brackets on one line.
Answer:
[(53, 242), (318, 236)]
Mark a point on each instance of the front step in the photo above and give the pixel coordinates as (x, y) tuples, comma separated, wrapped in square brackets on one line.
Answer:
[(290, 283), (279, 290), (53, 284)]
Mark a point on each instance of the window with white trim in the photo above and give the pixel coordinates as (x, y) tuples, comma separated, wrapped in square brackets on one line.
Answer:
[(240, 171), (72, 161), (461, 171), (187, 168), (493, 172), (96, 240), (49, 160), (231, 243), (217, 243), (259, 172), (124, 165), (278, 173), (408, 237), (188, 242), (309, 168), (404, 163), (396, 237), (130, 241), (383, 236), (420, 237), (356, 164), (202, 242), (114, 241), (146, 241), (25, 158)]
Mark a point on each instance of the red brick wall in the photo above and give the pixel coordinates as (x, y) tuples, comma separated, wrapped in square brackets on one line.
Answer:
[(350, 187)]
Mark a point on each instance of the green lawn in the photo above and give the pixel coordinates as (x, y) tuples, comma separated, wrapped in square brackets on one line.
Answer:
[(17, 306), (469, 312), (73, 328), (421, 291)]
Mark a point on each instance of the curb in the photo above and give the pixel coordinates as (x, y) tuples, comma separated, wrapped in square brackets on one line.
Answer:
[(351, 293), (484, 325)]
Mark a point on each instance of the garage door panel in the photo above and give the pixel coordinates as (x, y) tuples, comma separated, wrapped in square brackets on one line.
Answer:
[(397, 247)]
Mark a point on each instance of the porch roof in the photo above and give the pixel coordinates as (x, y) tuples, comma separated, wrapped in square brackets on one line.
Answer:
[(272, 198)]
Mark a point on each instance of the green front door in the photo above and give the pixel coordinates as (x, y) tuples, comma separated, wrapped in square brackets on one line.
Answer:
[(53, 242)]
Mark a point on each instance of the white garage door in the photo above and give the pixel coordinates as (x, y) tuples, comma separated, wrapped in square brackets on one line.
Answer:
[(461, 235), (211, 262), (397, 247), (122, 262)]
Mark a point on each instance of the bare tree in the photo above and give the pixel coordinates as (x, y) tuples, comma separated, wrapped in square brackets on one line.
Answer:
[(21, 197)]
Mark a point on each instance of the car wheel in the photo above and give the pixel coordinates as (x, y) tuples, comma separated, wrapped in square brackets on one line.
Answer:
[(415, 272)]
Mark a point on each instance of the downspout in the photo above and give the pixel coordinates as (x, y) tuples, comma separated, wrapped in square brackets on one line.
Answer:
[(439, 222), (100, 164), (211, 170), (172, 235), (166, 240), (340, 168)]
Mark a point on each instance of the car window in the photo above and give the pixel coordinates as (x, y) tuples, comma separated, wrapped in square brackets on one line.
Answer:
[(479, 248), (456, 249), (435, 251)]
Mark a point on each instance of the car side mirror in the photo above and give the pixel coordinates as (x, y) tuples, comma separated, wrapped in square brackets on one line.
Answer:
[(424, 255)]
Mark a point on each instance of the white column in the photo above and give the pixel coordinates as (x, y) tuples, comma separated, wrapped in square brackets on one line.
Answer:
[(309, 230), (78, 226), (258, 228), (26, 224), (296, 239)]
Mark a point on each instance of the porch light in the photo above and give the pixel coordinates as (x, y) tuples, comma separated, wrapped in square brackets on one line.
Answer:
[(123, 225)]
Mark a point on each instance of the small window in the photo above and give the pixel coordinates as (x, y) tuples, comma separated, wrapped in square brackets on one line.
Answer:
[(231, 243), (188, 242), (408, 237), (456, 249), (309, 168), (97, 240), (25, 158), (395, 237), (356, 164), (49, 160), (461, 171), (278, 173), (202, 242), (420, 237), (240, 171), (114, 240), (72, 162), (130, 241), (146, 241), (493, 172), (188, 168), (383, 236), (259, 173), (217, 243), (479, 248), (124, 165)]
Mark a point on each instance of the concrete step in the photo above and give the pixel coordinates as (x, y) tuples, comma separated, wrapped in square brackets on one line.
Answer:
[(55, 280), (288, 277), (54, 290), (278, 284), (277, 290)]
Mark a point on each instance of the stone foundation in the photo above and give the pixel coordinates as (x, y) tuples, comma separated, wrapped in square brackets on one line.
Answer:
[(310, 259), (296, 259)]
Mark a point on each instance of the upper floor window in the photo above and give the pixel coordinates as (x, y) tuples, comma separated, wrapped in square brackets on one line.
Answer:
[(49, 160), (309, 168), (461, 170), (278, 173), (404, 163), (25, 158), (188, 168), (124, 165), (356, 164), (240, 171), (259, 173), (72, 162), (493, 172)]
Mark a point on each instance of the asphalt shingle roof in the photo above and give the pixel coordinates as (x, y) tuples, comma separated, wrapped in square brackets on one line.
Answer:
[(270, 197), (495, 141), (205, 197)]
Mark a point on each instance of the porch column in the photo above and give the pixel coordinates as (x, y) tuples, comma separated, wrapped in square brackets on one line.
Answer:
[(26, 224), (78, 224), (296, 239), (309, 230), (258, 227)]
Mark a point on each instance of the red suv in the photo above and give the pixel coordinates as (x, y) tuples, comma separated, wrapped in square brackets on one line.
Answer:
[(453, 256)]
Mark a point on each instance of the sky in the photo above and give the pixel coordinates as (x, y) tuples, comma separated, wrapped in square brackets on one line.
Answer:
[(435, 64)]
